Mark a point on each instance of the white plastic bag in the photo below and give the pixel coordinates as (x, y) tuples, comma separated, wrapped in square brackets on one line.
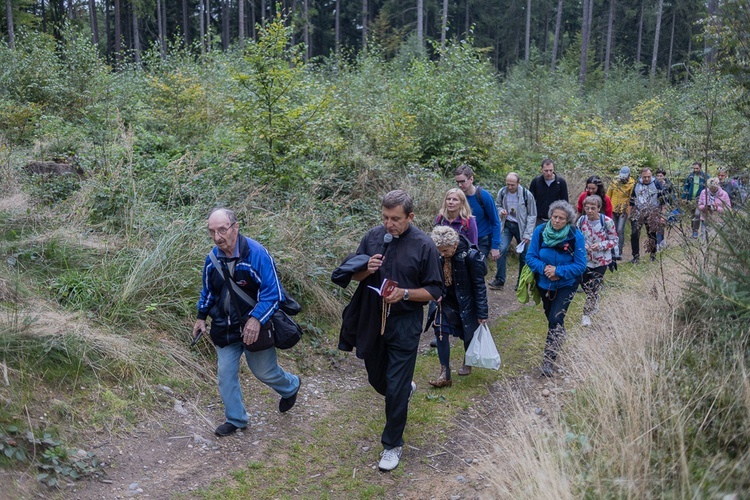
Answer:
[(482, 351)]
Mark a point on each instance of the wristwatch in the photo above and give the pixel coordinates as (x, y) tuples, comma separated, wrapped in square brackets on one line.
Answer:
[(406, 294)]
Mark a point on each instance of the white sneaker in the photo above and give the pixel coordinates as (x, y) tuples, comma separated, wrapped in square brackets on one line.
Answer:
[(390, 459), (411, 393), (585, 320)]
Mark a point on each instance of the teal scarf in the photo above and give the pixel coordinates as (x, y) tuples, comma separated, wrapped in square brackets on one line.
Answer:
[(553, 238)]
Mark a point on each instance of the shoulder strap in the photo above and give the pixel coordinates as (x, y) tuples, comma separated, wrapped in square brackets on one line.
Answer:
[(235, 288), (478, 193)]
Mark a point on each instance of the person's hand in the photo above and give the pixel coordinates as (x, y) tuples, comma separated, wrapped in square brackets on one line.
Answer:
[(374, 263), (526, 241), (595, 247), (494, 254), (396, 295), (503, 212), (549, 272), (482, 321), (251, 330), (198, 327)]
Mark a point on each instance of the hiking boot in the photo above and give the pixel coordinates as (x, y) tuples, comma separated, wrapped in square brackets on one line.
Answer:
[(695, 235), (433, 342), (411, 393), (585, 320), (227, 429), (496, 284), (653, 257), (286, 404), (444, 379), (464, 370), (547, 370), (635, 260), (389, 459)]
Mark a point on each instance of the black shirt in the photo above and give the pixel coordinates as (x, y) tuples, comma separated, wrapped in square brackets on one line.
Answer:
[(411, 259), (544, 195)]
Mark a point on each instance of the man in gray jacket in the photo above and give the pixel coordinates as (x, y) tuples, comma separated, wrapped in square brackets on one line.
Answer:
[(517, 210)]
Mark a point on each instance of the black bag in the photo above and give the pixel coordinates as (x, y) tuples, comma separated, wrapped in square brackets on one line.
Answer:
[(264, 341), (286, 332)]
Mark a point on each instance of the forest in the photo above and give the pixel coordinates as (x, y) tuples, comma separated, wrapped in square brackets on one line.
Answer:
[(122, 123)]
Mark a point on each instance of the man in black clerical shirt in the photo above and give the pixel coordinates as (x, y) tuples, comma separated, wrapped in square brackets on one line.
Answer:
[(412, 260)]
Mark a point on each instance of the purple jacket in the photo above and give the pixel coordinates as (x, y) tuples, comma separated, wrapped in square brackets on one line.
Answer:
[(467, 227)]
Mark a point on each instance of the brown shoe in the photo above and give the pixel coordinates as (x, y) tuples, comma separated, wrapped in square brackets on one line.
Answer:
[(464, 370), (444, 379)]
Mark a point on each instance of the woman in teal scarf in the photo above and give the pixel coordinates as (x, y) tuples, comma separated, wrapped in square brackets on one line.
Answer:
[(557, 257)]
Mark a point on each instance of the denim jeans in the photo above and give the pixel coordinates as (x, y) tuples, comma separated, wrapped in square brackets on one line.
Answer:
[(620, 220), (484, 244), (510, 231), (264, 366)]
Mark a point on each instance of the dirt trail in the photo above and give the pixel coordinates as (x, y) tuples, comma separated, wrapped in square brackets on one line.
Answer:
[(176, 453)]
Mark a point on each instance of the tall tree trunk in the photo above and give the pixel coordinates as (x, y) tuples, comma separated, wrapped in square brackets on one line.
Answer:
[(292, 23), (9, 19), (118, 34), (466, 21), (306, 28), (420, 22), (527, 45), (44, 17), (671, 44), (337, 27), (94, 23), (585, 38), (709, 46), (657, 32), (263, 13), (70, 9), (365, 20), (136, 36), (185, 24), (689, 51), (108, 22), (224, 25), (444, 25), (241, 16), (610, 31), (160, 29), (640, 35), (209, 40), (252, 20), (164, 24), (202, 24), (558, 26)]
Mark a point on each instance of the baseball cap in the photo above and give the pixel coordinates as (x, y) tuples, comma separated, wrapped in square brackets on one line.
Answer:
[(624, 172)]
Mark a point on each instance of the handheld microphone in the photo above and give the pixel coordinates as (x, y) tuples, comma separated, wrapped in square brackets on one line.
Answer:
[(387, 238)]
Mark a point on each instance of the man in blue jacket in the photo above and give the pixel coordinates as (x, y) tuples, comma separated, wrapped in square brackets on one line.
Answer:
[(484, 211), (251, 267)]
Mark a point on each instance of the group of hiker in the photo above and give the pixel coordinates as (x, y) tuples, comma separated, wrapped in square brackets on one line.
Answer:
[(400, 269)]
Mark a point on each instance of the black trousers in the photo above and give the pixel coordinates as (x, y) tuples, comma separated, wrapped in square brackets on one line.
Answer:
[(390, 369)]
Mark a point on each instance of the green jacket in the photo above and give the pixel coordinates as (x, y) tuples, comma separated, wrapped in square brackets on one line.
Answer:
[(527, 287)]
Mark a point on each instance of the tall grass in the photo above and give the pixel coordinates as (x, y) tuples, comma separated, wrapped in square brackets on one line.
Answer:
[(663, 404)]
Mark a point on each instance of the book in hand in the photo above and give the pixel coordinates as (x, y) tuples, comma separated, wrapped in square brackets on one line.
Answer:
[(386, 288)]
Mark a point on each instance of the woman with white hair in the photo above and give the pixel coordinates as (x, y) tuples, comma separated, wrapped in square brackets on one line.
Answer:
[(557, 257), (711, 203), (463, 305)]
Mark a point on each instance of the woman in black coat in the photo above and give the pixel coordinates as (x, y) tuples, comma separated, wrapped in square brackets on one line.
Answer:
[(463, 305)]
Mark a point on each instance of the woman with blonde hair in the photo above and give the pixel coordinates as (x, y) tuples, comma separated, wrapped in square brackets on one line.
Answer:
[(456, 213)]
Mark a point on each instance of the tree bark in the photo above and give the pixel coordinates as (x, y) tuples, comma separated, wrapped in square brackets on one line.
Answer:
[(263, 13), (306, 28), (585, 38), (252, 20), (9, 19), (709, 48), (241, 28), (558, 26), (365, 20), (420, 22), (70, 9), (444, 25), (671, 44), (640, 35), (160, 28), (118, 33), (527, 45), (466, 21), (209, 41), (657, 32), (202, 13), (610, 31), (94, 23), (337, 27), (185, 23), (136, 36), (224, 25)]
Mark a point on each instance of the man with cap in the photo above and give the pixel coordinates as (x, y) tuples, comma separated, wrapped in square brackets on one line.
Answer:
[(619, 193)]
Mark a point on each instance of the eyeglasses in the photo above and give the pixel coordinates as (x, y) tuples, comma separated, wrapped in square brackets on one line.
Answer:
[(460, 182), (222, 230)]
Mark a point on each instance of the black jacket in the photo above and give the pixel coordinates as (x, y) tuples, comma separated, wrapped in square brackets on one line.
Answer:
[(469, 270)]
